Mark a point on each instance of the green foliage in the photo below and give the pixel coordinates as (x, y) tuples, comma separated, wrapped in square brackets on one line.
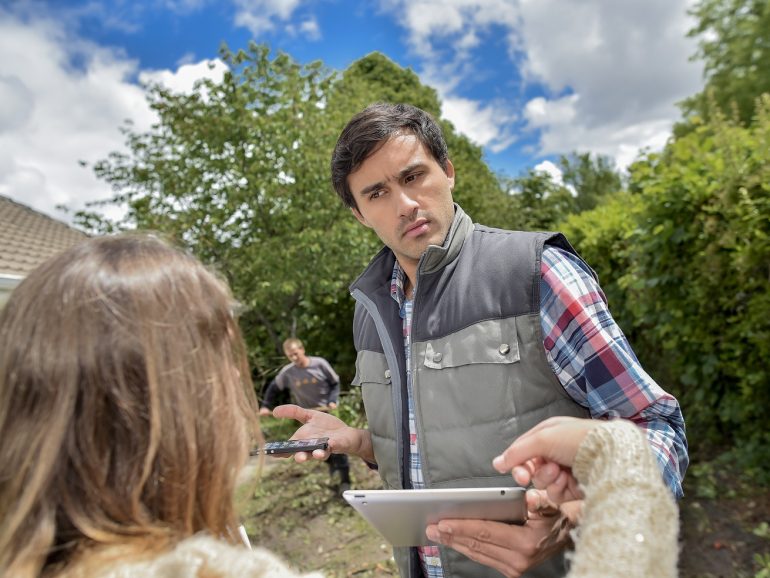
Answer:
[(277, 429), (350, 408), (685, 260), (701, 254), (763, 530), (763, 564), (735, 49), (238, 173), (376, 78), (603, 237), (702, 477), (537, 202), (593, 178)]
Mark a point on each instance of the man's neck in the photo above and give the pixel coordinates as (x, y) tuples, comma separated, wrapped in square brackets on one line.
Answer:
[(409, 267), (409, 289)]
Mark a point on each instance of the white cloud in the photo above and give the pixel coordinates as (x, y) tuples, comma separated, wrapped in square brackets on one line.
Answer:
[(626, 63), (186, 58), (55, 113), (551, 170), (610, 71), (541, 112), (462, 21), (260, 16), (183, 6), (307, 28), (17, 103), (479, 123), (620, 54), (310, 29), (185, 77), (73, 113)]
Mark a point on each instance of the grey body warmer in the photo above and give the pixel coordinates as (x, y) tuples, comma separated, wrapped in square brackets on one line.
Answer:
[(480, 376)]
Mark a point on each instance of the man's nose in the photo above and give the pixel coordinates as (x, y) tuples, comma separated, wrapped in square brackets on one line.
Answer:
[(407, 205)]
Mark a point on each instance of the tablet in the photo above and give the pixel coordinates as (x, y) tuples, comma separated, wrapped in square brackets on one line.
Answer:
[(401, 516)]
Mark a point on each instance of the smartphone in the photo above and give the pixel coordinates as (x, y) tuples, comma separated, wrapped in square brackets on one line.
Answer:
[(289, 447)]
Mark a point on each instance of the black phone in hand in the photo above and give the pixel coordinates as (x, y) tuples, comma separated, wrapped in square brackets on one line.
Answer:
[(288, 447)]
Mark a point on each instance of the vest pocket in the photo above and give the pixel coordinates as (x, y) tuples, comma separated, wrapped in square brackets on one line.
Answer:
[(371, 367), (469, 379), (488, 342), (374, 378)]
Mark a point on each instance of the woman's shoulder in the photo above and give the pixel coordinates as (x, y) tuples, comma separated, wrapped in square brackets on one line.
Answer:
[(203, 555)]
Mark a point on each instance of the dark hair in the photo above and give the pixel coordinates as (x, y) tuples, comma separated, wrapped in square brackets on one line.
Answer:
[(370, 129)]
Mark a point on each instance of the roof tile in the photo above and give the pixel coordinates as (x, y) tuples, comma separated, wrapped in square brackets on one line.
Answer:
[(27, 238)]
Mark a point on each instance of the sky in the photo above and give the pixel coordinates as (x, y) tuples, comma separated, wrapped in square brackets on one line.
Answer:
[(527, 80)]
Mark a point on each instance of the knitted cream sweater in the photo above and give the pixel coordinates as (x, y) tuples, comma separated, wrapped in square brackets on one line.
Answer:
[(630, 522), (202, 556)]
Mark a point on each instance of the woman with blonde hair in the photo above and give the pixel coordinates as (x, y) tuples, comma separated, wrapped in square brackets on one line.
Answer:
[(126, 413)]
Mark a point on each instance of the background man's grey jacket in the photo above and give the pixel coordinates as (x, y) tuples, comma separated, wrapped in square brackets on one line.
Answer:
[(479, 373)]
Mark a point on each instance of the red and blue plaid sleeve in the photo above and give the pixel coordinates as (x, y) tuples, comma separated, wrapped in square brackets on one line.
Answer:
[(597, 367)]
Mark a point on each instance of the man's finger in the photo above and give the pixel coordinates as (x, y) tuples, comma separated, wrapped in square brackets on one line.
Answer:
[(506, 561), (291, 411), (504, 547)]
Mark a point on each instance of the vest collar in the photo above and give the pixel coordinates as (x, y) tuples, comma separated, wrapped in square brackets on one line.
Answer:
[(435, 257)]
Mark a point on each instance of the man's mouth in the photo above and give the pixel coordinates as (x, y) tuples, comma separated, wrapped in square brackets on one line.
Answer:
[(417, 228)]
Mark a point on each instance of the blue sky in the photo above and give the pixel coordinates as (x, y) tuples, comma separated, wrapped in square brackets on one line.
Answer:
[(527, 80)]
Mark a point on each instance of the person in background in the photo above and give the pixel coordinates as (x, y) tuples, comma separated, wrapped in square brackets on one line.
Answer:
[(467, 336), (603, 475), (315, 385), (126, 414)]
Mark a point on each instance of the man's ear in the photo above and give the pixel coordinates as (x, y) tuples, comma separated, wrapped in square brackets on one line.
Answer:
[(450, 173), (357, 214)]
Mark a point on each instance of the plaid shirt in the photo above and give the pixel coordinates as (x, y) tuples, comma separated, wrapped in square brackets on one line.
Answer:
[(429, 555), (593, 361)]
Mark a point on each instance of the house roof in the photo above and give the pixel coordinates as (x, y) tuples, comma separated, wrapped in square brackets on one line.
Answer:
[(27, 238)]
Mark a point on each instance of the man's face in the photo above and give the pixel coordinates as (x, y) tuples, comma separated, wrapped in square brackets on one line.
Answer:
[(296, 355), (404, 195)]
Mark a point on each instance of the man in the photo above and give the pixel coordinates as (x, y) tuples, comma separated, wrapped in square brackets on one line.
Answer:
[(313, 384), (467, 337)]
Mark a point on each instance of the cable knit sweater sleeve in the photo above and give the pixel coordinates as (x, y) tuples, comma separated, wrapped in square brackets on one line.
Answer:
[(630, 522)]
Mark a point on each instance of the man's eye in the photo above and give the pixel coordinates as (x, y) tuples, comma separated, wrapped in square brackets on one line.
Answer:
[(374, 195)]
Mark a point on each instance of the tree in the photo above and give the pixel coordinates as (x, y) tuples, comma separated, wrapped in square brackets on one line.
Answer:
[(537, 202), (592, 178), (686, 258), (238, 172), (376, 78), (701, 257), (603, 236), (735, 48)]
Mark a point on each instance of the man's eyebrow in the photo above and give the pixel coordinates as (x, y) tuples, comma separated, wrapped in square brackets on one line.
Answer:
[(371, 188), (409, 168), (401, 174)]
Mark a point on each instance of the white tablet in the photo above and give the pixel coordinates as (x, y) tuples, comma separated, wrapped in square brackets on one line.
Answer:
[(401, 516)]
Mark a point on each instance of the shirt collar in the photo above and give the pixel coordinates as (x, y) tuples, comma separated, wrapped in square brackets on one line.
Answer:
[(397, 282)]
